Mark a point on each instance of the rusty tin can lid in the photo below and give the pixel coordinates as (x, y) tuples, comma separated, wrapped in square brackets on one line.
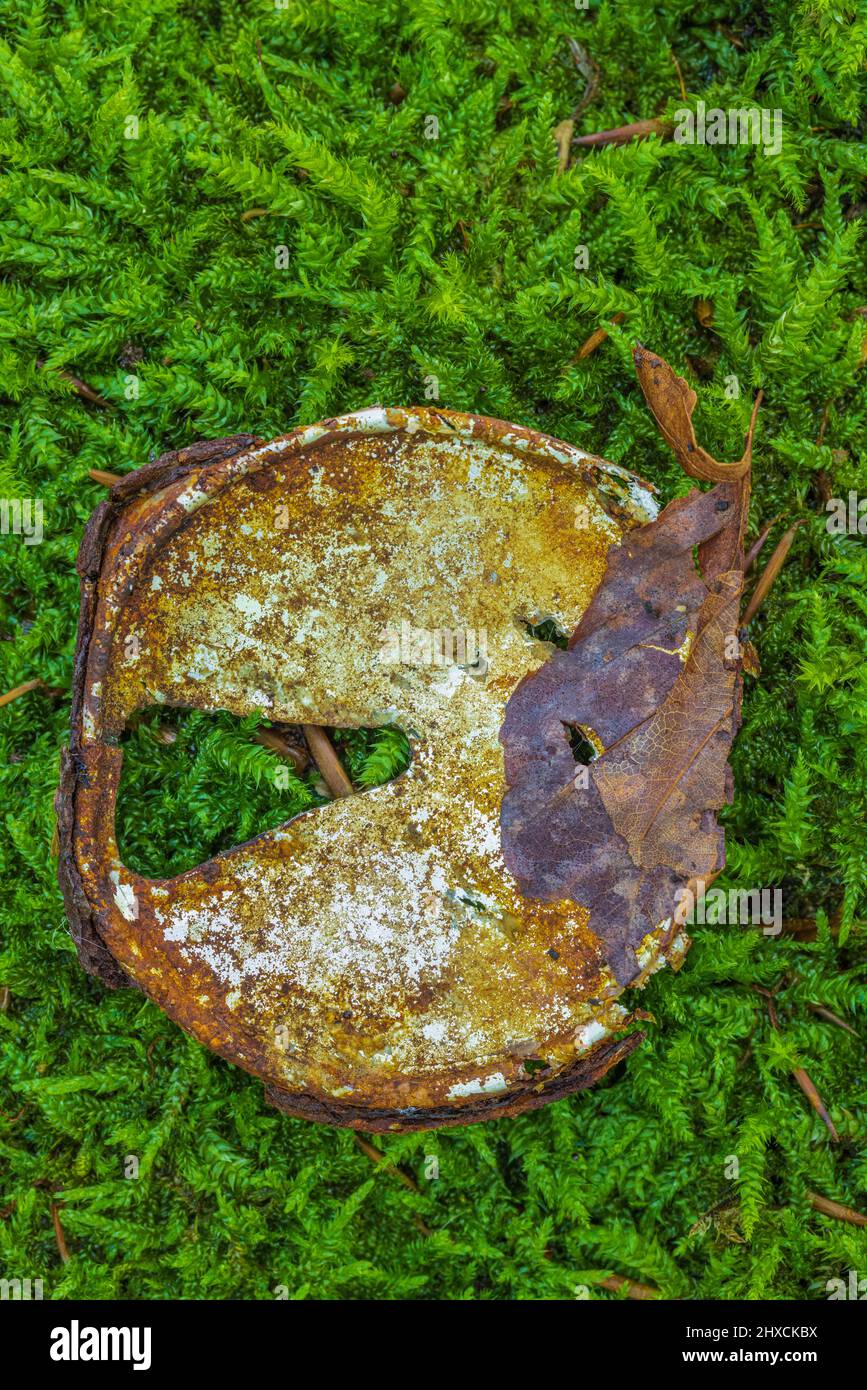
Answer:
[(373, 960)]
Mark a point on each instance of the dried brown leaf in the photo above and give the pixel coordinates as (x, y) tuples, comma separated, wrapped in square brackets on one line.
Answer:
[(653, 677), (672, 401), (704, 312)]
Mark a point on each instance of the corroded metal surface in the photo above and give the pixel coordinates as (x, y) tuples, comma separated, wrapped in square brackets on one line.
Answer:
[(374, 960)]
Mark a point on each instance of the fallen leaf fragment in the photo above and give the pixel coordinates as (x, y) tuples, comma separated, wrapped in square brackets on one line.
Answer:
[(652, 673), (704, 312), (672, 401), (82, 389)]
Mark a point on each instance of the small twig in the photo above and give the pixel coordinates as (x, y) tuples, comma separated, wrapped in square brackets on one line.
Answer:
[(824, 486), (805, 929), (750, 557), (596, 338), (832, 1018), (86, 392), (564, 132), (5, 997), (98, 475), (616, 1282), (325, 758), (679, 75), (277, 743), (254, 212), (809, 1089), (380, 1158), (638, 130), (801, 1076), (732, 37), (376, 1156), (769, 574), (58, 1232), (589, 70), (748, 1050), (836, 1209), (754, 413), (744, 1057), (20, 690), (768, 996)]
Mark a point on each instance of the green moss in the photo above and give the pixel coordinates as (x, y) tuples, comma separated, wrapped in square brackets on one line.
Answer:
[(130, 264)]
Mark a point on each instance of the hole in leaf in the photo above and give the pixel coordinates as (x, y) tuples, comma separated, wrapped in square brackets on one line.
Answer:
[(194, 785), (583, 749)]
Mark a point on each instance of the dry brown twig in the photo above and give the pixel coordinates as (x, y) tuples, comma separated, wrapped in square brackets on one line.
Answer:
[(323, 754), (620, 135), (80, 387), (20, 690), (376, 1156), (807, 1085), (800, 1074), (58, 1233), (597, 337), (564, 132), (830, 1017), (769, 573), (278, 743), (758, 543), (836, 1209), (640, 1292)]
